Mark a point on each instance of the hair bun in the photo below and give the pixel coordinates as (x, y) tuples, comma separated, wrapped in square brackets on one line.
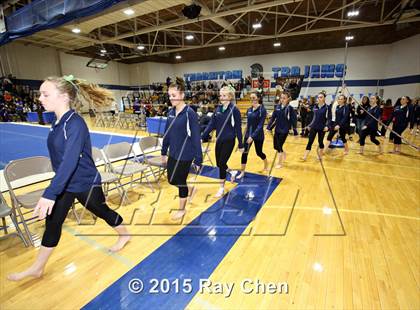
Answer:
[(179, 81)]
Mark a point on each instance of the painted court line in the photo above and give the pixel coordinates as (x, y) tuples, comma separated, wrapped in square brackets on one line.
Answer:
[(194, 252)]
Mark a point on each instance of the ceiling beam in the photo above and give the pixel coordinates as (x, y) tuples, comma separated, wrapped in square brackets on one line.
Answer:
[(181, 22), (282, 35)]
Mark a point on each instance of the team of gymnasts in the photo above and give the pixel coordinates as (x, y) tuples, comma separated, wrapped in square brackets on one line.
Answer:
[(76, 175)]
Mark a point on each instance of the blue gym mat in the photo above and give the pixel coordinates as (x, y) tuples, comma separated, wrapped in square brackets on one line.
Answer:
[(21, 141)]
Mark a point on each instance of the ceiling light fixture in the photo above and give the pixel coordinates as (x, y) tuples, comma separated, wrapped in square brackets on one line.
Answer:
[(128, 12), (352, 13)]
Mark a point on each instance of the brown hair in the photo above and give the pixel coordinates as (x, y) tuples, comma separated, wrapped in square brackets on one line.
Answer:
[(286, 93), (81, 92), (179, 84)]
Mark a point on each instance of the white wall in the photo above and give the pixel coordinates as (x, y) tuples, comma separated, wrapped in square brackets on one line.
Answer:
[(150, 72), (403, 60), (364, 63), (114, 74), (30, 62)]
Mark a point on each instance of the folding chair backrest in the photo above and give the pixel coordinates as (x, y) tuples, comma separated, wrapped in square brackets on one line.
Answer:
[(118, 151), (26, 167), (97, 155), (149, 144)]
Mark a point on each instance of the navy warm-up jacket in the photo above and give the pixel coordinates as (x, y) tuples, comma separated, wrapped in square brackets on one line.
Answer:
[(321, 115), (71, 157), (227, 124), (283, 118), (182, 136), (255, 123)]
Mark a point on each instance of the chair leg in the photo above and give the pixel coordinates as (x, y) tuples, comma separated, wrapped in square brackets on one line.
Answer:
[(19, 231), (75, 214), (148, 182), (25, 226), (4, 225)]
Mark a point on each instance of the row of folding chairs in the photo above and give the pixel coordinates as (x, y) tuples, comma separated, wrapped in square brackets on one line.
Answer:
[(119, 163), (120, 120)]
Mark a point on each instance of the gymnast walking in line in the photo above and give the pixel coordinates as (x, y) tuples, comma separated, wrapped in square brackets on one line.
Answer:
[(400, 121), (76, 176), (370, 128), (318, 126), (182, 138), (339, 121), (282, 120), (226, 120), (254, 133)]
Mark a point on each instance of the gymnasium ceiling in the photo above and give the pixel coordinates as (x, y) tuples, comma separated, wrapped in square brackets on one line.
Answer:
[(160, 27)]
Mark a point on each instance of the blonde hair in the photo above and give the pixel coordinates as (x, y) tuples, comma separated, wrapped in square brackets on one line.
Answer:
[(82, 93), (230, 90)]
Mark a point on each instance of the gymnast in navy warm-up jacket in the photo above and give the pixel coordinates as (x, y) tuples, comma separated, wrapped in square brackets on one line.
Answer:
[(226, 120), (283, 118), (339, 121), (400, 121), (254, 132), (182, 138), (371, 124), (318, 126), (76, 176)]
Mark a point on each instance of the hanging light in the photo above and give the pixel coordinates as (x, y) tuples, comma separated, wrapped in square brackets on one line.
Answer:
[(128, 11), (353, 13)]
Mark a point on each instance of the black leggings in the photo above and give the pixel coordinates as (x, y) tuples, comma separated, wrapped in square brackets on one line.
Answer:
[(258, 149), (368, 132), (312, 135), (398, 130), (96, 204), (341, 131), (278, 141), (177, 175), (223, 151)]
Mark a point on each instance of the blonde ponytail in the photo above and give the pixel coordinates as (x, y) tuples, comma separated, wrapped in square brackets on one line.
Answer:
[(82, 93)]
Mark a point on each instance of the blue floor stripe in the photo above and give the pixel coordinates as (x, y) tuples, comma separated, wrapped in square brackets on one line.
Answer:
[(194, 252), (20, 141)]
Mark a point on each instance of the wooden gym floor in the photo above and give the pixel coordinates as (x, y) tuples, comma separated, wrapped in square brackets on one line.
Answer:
[(364, 254)]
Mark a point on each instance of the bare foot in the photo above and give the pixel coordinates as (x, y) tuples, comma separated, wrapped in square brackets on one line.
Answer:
[(191, 193), (346, 152), (219, 193), (178, 215), (233, 175), (303, 158), (121, 242), (240, 176), (278, 166), (31, 272)]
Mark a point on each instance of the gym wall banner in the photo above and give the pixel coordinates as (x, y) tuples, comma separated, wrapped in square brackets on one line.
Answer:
[(323, 71), (214, 75), (255, 83)]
